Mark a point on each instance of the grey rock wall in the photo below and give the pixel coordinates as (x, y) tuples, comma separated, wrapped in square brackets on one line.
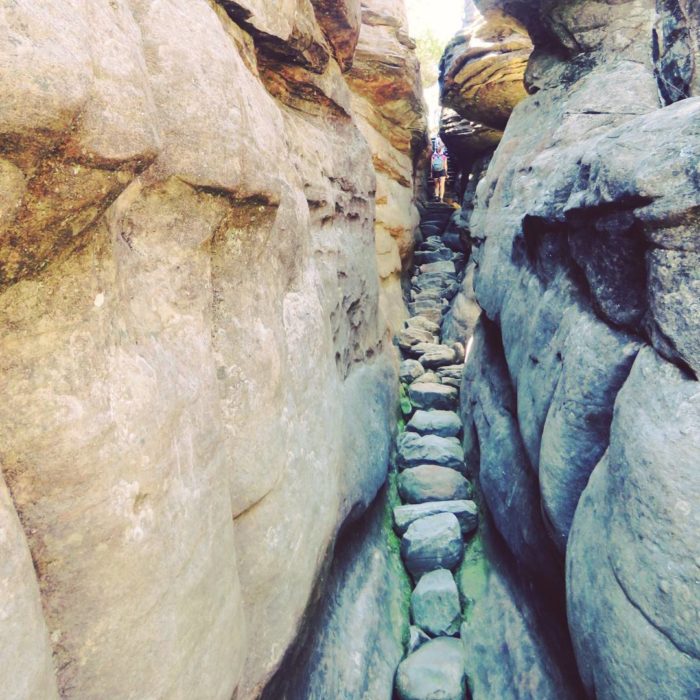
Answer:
[(583, 374)]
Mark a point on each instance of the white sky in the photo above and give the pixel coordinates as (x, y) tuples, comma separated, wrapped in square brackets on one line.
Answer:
[(444, 17)]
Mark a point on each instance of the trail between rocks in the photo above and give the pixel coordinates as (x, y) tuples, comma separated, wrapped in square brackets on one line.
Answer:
[(437, 515)]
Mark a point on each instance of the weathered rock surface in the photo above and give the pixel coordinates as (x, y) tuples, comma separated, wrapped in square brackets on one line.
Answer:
[(514, 635), (362, 615), (435, 605), (191, 337), (482, 69), (507, 480), (584, 246), (637, 634), (428, 482), (466, 512), (434, 542), (436, 670), (387, 100)]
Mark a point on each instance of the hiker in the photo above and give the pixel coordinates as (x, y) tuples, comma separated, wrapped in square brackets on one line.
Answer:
[(438, 164)]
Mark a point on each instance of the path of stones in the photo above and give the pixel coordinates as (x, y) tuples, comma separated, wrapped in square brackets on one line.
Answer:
[(437, 514)]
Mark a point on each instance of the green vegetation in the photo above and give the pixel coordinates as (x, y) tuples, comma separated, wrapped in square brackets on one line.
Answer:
[(429, 50)]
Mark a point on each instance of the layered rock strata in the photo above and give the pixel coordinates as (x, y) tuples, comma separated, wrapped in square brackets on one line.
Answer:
[(585, 266), (481, 82), (387, 101), (197, 388)]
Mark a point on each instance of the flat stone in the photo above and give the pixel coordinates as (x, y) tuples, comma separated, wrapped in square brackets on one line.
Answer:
[(442, 280), (435, 605), (428, 378), (435, 355), (409, 370), (467, 514), (432, 294), (443, 266), (454, 371), (432, 543), (449, 381), (427, 483), (413, 336), (420, 307), (432, 314), (415, 449), (442, 423), (416, 638), (433, 396), (422, 257), (423, 323)]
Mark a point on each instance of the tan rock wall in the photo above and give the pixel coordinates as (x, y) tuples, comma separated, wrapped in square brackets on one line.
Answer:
[(196, 376)]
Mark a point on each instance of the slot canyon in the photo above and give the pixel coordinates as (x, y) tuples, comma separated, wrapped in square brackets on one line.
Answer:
[(277, 423)]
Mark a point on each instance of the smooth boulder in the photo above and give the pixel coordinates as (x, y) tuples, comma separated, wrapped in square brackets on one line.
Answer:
[(428, 482), (435, 605), (434, 672), (432, 543)]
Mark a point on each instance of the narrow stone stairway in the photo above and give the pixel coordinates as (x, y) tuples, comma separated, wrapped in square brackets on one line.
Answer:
[(437, 514)]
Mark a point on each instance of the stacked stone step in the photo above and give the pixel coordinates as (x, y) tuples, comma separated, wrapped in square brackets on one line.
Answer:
[(437, 514)]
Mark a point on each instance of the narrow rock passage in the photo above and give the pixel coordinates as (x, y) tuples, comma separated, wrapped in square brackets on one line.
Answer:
[(437, 514)]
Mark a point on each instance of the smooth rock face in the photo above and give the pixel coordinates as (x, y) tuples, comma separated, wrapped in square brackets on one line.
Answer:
[(435, 671), (414, 449), (637, 634), (435, 605), (442, 423), (507, 480), (175, 315), (428, 482), (515, 645), (432, 543), (466, 511), (362, 615), (585, 249)]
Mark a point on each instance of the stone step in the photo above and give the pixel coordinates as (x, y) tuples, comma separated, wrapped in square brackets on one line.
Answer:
[(435, 606), (466, 512), (423, 323), (409, 337), (410, 370), (433, 314), (433, 355), (428, 483), (428, 378), (432, 543), (414, 449), (442, 423), (433, 396), (435, 670)]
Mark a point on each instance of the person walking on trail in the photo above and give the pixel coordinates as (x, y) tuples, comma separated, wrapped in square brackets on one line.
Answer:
[(438, 164)]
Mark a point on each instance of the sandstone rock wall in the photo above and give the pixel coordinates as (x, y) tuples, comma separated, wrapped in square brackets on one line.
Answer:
[(584, 239), (196, 375)]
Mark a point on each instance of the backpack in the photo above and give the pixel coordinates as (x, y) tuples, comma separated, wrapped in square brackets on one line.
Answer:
[(438, 162)]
